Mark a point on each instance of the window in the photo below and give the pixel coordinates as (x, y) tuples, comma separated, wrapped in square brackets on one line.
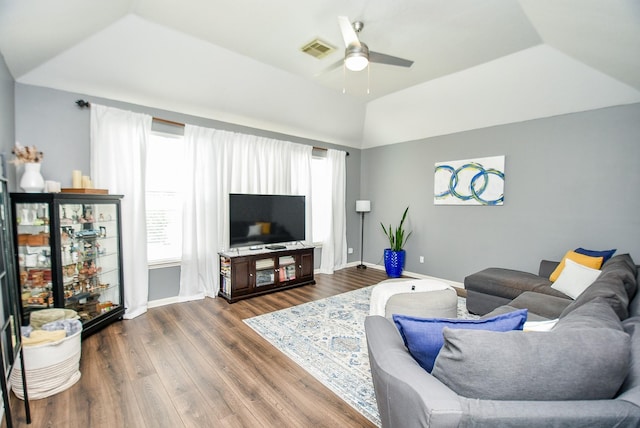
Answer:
[(321, 202), (164, 198)]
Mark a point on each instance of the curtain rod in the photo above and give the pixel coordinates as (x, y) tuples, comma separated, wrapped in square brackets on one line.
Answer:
[(168, 122), (324, 149), (87, 104)]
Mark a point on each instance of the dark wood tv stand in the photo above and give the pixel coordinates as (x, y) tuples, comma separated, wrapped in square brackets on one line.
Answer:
[(250, 273)]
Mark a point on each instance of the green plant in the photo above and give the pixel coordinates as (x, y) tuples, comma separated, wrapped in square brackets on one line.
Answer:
[(397, 237)]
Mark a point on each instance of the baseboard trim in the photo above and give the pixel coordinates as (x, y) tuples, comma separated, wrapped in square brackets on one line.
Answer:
[(162, 302)]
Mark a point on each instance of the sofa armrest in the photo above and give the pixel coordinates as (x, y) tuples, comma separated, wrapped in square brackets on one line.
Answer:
[(404, 390), (578, 413), (547, 267)]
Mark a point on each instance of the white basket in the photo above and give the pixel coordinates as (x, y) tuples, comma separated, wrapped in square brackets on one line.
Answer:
[(50, 368)]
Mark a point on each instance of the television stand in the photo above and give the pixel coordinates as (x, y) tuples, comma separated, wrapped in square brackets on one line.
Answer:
[(245, 274)]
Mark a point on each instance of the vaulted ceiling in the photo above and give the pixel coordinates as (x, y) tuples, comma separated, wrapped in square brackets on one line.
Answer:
[(476, 63)]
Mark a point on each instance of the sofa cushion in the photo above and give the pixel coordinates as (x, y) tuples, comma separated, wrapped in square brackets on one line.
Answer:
[(556, 365), (606, 254), (608, 286), (630, 390), (592, 262), (547, 267), (546, 306), (508, 283), (575, 278), (634, 306), (507, 308), (595, 314), (628, 271), (423, 336)]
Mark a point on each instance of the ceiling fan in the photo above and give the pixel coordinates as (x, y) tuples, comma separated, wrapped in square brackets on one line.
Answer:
[(357, 54)]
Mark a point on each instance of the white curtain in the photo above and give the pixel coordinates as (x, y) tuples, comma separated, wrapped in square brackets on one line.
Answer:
[(228, 162), (334, 247), (200, 234), (118, 153)]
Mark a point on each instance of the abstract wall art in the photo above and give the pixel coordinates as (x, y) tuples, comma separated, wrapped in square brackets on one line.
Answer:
[(469, 182)]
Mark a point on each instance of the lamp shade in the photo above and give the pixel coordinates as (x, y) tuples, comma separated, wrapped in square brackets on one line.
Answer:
[(356, 62), (363, 206), (356, 56)]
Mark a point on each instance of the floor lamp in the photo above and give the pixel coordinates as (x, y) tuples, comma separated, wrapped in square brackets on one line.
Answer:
[(362, 207)]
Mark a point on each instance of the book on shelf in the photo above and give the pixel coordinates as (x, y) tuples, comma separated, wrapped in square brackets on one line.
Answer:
[(225, 285), (264, 278), (287, 260), (288, 272), (264, 264)]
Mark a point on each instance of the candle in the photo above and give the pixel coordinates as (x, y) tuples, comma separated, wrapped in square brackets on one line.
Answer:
[(76, 179), (85, 181)]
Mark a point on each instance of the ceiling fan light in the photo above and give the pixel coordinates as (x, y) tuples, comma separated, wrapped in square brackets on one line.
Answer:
[(356, 57), (356, 62)]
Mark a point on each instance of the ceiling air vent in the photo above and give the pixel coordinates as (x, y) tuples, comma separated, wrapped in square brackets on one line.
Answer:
[(317, 48)]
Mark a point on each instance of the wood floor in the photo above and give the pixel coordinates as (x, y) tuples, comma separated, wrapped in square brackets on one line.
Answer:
[(197, 364)]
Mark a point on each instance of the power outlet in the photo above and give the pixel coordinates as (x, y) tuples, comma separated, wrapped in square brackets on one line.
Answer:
[(350, 250), (421, 259)]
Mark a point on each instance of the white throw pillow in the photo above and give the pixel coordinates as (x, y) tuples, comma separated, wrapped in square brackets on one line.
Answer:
[(540, 325), (255, 229), (575, 278)]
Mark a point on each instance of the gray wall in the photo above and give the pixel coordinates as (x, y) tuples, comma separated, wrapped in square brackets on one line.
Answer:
[(50, 120), (7, 130), (571, 181)]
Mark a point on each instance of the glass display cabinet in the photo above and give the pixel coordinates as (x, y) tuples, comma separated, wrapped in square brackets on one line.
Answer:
[(69, 255)]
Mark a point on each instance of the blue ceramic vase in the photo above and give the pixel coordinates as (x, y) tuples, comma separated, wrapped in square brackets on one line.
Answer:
[(394, 262)]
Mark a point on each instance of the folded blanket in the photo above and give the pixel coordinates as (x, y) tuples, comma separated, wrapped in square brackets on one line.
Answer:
[(44, 316), (69, 326), (38, 337), (385, 289)]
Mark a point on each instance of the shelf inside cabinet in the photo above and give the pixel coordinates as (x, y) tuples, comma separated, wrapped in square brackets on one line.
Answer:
[(263, 264), (286, 260)]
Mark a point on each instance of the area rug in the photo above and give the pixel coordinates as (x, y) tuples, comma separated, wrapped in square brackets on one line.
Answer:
[(326, 338)]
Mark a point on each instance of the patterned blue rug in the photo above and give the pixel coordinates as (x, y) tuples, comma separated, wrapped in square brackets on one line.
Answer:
[(326, 338)]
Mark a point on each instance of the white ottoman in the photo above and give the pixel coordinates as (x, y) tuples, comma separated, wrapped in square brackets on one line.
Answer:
[(415, 297)]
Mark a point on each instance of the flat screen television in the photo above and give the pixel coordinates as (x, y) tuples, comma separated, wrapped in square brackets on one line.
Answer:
[(257, 220)]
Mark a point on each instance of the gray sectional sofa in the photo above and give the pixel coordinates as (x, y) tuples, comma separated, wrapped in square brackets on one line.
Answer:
[(584, 372), (494, 287)]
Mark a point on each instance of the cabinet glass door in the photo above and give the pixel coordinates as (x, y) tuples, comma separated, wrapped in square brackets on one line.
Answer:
[(287, 268), (265, 272), (89, 254), (9, 309), (34, 256)]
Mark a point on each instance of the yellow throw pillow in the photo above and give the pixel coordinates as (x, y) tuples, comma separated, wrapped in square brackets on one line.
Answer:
[(266, 227), (592, 262)]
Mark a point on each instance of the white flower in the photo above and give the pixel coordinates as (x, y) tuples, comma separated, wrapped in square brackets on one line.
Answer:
[(29, 154)]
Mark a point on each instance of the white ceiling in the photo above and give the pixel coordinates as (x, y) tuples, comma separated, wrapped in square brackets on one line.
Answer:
[(477, 63)]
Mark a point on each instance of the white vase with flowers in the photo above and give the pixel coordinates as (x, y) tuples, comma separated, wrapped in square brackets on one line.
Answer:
[(31, 180)]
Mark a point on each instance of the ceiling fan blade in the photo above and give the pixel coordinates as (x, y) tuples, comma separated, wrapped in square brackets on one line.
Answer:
[(381, 58), (332, 67), (348, 33)]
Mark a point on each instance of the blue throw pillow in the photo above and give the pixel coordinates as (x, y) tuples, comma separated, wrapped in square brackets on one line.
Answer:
[(423, 336), (606, 254)]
